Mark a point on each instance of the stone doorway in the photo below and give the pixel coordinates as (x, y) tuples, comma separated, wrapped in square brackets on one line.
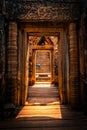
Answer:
[(42, 24), (41, 38), (43, 59), (43, 66)]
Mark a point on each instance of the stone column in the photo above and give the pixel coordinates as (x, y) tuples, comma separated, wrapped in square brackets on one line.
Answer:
[(60, 66), (19, 66), (11, 85), (74, 67), (25, 57)]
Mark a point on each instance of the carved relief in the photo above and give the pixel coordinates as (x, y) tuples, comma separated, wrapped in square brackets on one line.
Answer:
[(32, 10)]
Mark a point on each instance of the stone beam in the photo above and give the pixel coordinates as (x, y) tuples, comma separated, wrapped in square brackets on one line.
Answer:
[(32, 11)]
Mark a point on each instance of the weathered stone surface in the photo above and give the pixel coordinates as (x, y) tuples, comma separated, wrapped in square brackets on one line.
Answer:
[(83, 55), (74, 67), (53, 11), (11, 78), (2, 60)]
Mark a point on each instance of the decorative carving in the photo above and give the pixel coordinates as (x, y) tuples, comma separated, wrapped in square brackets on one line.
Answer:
[(51, 11)]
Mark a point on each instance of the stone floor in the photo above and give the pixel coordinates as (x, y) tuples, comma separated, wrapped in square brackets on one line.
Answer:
[(45, 113)]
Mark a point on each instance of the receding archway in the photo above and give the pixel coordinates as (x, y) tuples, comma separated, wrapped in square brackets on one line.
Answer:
[(43, 59), (29, 41)]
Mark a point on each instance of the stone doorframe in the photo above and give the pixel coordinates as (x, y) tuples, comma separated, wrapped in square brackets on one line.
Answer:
[(14, 57), (34, 60)]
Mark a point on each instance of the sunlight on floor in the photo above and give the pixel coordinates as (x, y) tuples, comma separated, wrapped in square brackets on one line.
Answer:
[(52, 110), (43, 103)]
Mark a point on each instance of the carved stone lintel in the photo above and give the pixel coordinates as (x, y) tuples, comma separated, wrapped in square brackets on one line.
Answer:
[(51, 12)]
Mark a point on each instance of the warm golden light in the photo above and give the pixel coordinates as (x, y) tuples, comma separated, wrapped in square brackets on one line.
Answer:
[(42, 84), (44, 102), (52, 110)]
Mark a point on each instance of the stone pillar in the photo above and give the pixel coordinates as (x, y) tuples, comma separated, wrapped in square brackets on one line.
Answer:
[(25, 57), (60, 66), (74, 67), (23, 68), (11, 78), (19, 66)]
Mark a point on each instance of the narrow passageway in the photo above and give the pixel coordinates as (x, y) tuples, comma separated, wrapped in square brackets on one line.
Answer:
[(43, 93), (43, 110), (43, 102), (43, 65)]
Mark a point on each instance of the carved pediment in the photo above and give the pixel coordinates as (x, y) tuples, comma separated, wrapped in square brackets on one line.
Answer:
[(40, 41)]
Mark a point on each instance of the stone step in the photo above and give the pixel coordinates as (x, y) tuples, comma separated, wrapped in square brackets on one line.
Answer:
[(43, 101), (43, 92)]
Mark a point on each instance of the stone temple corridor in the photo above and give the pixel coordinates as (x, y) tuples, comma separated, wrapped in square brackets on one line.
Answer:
[(43, 64)]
